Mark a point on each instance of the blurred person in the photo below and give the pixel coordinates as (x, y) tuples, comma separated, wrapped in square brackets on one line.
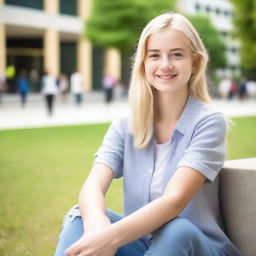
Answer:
[(242, 88), (63, 87), (225, 87), (34, 80), (23, 87), (251, 88), (49, 90), (108, 85), (234, 89), (169, 152), (10, 76), (2, 86), (76, 87)]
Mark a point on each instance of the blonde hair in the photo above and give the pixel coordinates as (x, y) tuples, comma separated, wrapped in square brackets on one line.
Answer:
[(141, 95)]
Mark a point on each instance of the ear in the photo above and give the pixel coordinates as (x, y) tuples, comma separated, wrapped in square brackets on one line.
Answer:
[(195, 62)]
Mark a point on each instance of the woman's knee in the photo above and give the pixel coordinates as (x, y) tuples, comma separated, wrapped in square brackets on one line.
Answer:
[(71, 231), (178, 224), (181, 237), (179, 230)]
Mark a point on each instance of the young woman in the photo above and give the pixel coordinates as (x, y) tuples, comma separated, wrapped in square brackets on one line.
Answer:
[(169, 152)]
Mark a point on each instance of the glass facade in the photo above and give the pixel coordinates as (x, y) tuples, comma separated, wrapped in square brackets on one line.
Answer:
[(68, 60), (97, 67), (68, 7), (36, 4), (26, 55), (209, 9)]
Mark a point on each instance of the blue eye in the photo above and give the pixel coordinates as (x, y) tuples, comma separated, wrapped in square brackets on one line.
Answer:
[(154, 55), (177, 55)]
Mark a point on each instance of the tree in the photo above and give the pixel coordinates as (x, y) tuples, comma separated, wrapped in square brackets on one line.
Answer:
[(151, 8), (212, 41), (245, 25), (112, 23), (118, 23)]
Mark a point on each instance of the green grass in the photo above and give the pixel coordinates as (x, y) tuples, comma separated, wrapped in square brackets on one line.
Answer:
[(241, 138), (42, 171)]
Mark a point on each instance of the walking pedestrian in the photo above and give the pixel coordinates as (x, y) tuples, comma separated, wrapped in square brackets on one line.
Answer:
[(63, 87), (108, 86), (77, 89), (2, 85), (23, 87), (49, 90)]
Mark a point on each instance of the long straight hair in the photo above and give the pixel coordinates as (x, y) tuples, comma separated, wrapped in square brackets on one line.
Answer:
[(141, 95)]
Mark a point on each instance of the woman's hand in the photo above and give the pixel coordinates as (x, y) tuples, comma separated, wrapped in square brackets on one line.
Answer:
[(98, 243)]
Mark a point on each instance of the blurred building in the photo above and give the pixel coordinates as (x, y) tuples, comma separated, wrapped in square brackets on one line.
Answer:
[(47, 35), (221, 14)]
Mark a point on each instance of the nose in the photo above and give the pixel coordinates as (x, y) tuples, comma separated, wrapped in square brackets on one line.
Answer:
[(166, 63)]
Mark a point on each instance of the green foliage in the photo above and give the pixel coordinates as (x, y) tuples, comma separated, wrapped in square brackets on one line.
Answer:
[(118, 23), (111, 23), (245, 25), (151, 8), (212, 41), (42, 172)]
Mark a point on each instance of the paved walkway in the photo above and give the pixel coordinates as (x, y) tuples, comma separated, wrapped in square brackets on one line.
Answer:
[(93, 110)]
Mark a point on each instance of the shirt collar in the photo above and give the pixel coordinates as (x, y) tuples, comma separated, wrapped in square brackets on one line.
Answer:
[(189, 113)]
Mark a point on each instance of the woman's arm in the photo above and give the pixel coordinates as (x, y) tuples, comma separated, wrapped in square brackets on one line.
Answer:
[(91, 198), (181, 188)]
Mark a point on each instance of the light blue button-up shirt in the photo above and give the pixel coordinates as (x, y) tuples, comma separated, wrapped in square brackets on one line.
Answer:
[(198, 142)]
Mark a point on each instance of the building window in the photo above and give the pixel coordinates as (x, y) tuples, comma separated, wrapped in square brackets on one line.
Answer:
[(233, 49), (26, 3), (233, 68), (224, 33), (198, 7), (226, 13), (217, 10), (208, 8), (68, 7)]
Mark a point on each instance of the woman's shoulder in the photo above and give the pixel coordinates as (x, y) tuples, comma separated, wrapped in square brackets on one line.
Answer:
[(206, 109), (121, 123), (209, 114), (206, 112)]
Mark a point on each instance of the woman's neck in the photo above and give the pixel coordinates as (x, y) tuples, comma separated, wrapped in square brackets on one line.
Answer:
[(169, 107)]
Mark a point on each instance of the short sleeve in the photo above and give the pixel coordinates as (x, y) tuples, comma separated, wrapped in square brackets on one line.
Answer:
[(111, 151), (207, 149)]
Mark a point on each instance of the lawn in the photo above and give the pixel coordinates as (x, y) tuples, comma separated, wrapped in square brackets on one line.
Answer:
[(43, 169)]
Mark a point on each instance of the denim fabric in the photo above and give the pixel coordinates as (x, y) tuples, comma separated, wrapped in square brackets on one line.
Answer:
[(72, 230), (178, 237)]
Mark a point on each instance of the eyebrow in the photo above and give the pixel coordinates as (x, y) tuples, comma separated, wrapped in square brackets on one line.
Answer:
[(172, 50)]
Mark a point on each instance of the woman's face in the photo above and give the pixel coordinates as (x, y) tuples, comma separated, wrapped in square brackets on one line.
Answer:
[(168, 61)]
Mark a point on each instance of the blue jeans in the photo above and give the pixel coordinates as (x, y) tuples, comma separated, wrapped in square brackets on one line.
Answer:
[(179, 237)]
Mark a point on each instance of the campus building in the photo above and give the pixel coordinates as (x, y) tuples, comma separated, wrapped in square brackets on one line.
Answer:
[(221, 14), (48, 35)]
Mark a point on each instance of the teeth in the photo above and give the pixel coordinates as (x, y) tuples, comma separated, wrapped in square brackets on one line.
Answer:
[(166, 77)]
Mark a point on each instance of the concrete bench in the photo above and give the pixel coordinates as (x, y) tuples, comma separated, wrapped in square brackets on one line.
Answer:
[(238, 203)]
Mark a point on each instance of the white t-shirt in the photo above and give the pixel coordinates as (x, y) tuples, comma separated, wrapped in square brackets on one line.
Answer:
[(76, 83), (162, 155), (49, 85)]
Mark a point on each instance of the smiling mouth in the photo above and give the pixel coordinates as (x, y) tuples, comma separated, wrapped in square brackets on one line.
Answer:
[(167, 77)]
